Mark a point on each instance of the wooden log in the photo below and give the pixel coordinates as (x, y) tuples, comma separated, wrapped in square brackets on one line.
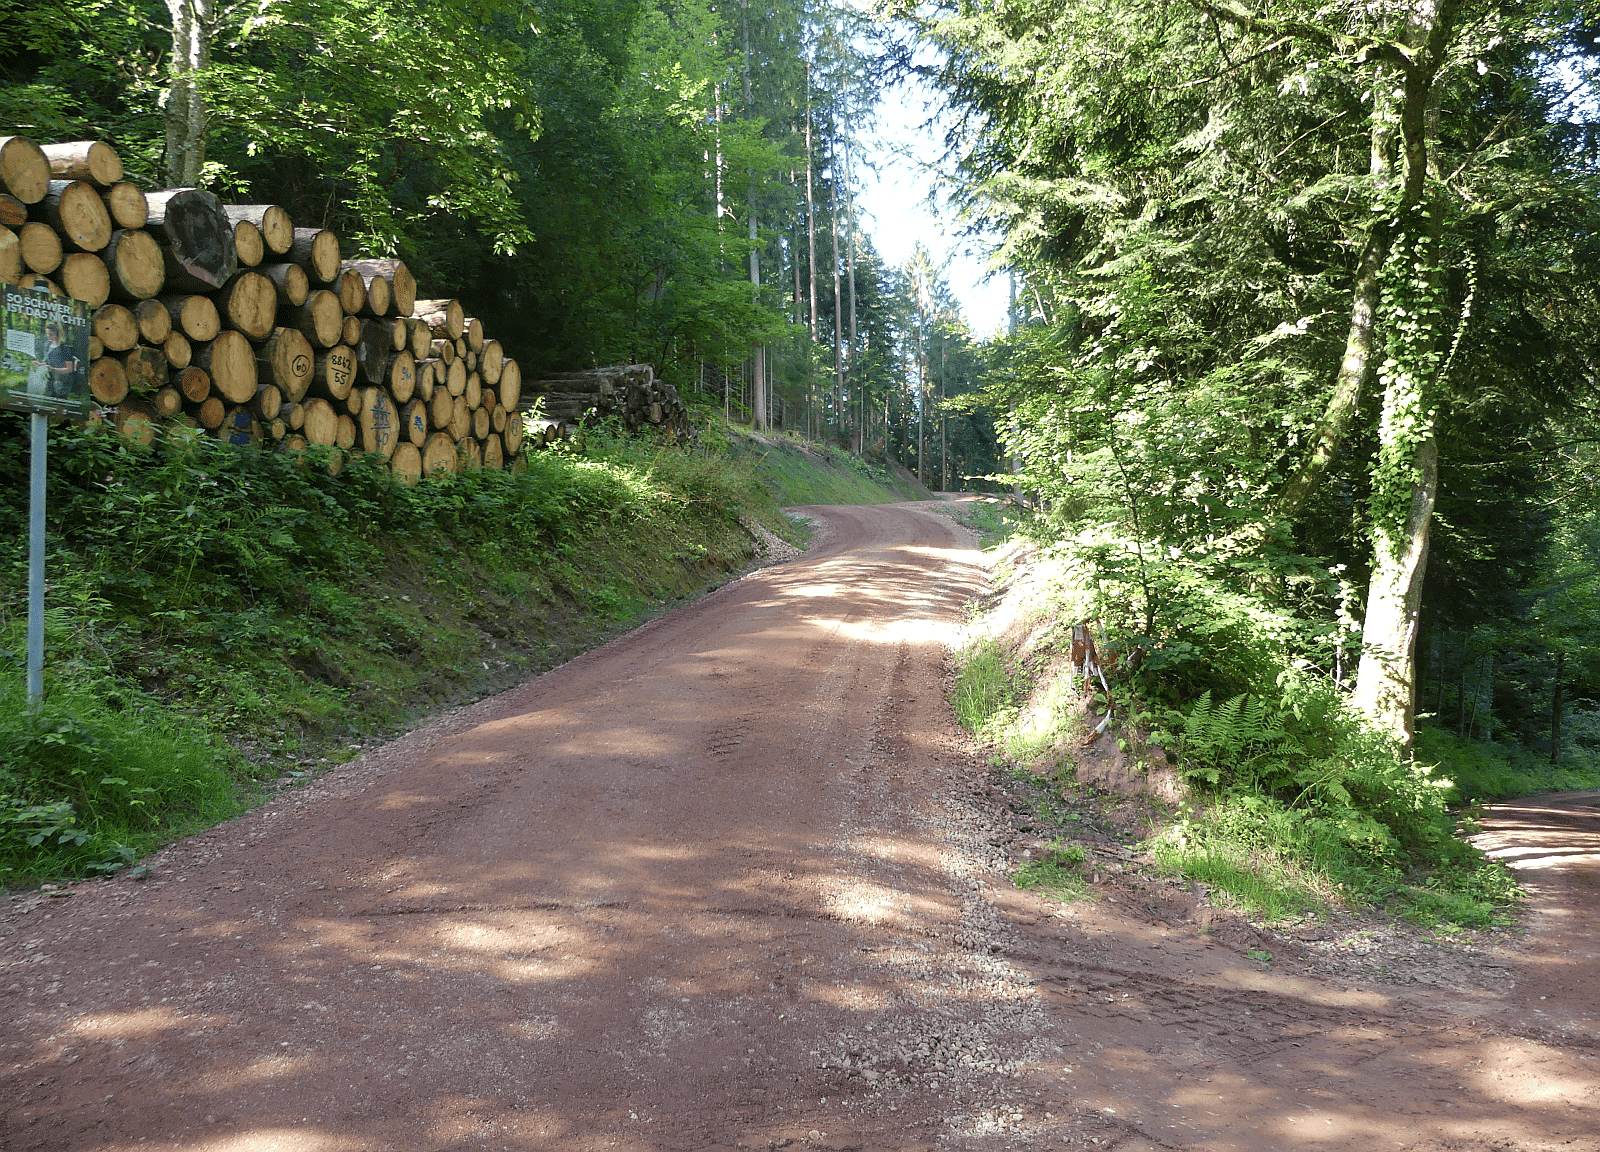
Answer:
[(379, 298), (287, 361), (480, 423), (399, 334), (352, 291), (155, 322), (379, 423), (293, 414), (440, 409), (24, 169), (115, 326), (514, 433), (474, 335), (96, 349), (345, 435), (439, 454), (177, 349), (373, 349), (126, 204), (41, 247), (146, 368), (210, 412), (461, 349), (193, 315), (168, 403), (510, 384), (333, 373), (401, 378), (471, 454), (267, 403), (84, 276), (491, 361), (13, 212), (317, 251), (472, 361), (414, 422), (351, 331), (442, 350), (427, 376), (40, 280), (74, 209), (249, 304), (421, 338), (498, 419), (272, 222), (108, 383), (91, 160), (290, 282), (133, 258), (248, 247), (10, 256), (295, 444), (444, 317), (240, 428), (231, 363), (320, 318), (460, 426), (196, 238), (352, 402), (473, 392), (137, 421), (194, 383), (275, 428), (321, 424), (407, 463), (455, 378), (493, 454)]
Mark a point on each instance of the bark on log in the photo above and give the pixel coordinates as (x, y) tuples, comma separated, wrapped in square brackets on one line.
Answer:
[(320, 318), (290, 282), (442, 350), (13, 212), (439, 454), (133, 258), (230, 362), (126, 204), (146, 369), (177, 349), (401, 378), (41, 247), (414, 422), (399, 334), (155, 322), (273, 222), (78, 215), (194, 383), (195, 316), (407, 463), (196, 236), (352, 291), (444, 317), (317, 251), (108, 383), (345, 435), (249, 303), (294, 415), (379, 423), (287, 361), (321, 421), (248, 247), (210, 412), (116, 327), (24, 169), (373, 349), (91, 160), (10, 256), (334, 373)]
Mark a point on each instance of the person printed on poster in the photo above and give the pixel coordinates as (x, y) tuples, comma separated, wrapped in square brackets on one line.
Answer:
[(60, 364)]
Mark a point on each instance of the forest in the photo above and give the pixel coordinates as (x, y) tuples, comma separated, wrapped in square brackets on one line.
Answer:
[(1300, 367)]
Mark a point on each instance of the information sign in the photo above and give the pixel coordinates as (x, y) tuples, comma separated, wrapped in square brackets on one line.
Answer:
[(44, 352)]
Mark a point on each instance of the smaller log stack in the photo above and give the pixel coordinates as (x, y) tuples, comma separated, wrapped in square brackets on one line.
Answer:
[(228, 319), (629, 391)]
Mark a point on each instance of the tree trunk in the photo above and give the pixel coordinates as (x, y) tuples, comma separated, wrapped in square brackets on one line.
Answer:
[(1556, 703), (186, 106)]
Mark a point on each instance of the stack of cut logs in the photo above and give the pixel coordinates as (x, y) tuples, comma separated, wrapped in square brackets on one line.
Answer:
[(630, 392), (229, 319)]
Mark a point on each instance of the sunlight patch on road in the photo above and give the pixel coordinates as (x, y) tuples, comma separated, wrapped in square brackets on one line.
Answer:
[(143, 1022), (279, 1139)]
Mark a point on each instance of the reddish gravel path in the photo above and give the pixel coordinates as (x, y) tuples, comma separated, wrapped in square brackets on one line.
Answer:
[(735, 881)]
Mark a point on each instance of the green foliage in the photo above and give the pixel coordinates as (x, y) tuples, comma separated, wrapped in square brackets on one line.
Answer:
[(985, 697), (1058, 871)]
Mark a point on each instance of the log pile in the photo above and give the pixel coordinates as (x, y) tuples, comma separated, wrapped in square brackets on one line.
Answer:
[(229, 320), (630, 393)]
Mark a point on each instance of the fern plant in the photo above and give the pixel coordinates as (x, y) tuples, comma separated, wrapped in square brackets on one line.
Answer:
[(1237, 741)]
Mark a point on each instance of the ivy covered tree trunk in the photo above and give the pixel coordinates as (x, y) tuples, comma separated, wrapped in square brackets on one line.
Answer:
[(186, 104)]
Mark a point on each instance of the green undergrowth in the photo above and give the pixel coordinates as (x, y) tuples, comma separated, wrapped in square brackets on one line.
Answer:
[(795, 472), (1482, 770), (1292, 806), (222, 623)]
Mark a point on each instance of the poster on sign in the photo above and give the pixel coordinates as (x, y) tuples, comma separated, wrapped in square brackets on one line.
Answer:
[(44, 352)]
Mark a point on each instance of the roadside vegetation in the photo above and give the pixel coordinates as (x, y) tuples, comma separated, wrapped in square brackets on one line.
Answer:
[(222, 623)]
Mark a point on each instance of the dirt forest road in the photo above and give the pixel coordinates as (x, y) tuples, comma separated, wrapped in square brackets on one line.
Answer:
[(735, 881)]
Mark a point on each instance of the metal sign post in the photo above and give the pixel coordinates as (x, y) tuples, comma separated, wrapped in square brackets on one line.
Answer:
[(44, 362)]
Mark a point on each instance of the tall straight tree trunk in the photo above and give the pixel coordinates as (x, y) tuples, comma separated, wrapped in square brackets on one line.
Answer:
[(186, 117), (838, 312), (1556, 702), (856, 385), (758, 393)]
